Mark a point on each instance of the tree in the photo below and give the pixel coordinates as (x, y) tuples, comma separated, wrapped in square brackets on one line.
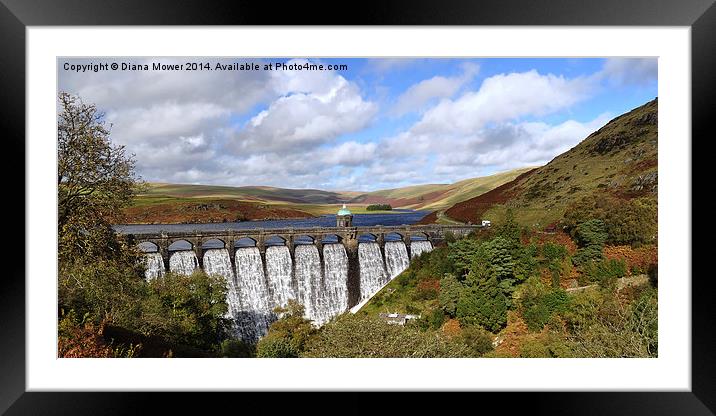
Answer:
[(95, 180), (509, 229), (590, 236), (484, 304), (287, 336), (449, 294)]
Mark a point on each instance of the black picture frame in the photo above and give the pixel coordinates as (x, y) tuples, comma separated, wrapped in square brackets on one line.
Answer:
[(16, 15)]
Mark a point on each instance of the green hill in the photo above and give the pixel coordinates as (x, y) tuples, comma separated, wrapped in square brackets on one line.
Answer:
[(437, 196)]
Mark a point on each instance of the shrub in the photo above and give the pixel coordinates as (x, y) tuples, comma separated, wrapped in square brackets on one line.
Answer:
[(235, 348), (591, 233), (79, 338), (369, 336), (477, 340), (288, 335), (538, 304), (632, 222), (605, 272), (436, 318), (534, 349), (275, 346), (586, 255), (484, 305), (619, 329), (449, 294), (546, 346), (449, 237), (427, 289)]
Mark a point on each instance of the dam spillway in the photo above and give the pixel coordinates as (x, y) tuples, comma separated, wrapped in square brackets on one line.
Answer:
[(328, 271)]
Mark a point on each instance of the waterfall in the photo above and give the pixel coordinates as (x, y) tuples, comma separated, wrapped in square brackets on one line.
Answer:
[(372, 270), (418, 247), (335, 293), (183, 262), (154, 265), (254, 312), (396, 258), (280, 271), (218, 262), (309, 277)]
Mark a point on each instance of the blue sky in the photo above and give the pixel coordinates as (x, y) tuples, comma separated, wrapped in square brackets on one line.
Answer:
[(382, 123)]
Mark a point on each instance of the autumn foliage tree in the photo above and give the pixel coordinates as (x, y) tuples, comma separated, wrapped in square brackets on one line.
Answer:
[(95, 180)]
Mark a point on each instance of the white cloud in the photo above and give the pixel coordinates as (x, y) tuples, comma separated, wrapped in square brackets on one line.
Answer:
[(630, 71), (504, 97), (317, 108), (415, 97)]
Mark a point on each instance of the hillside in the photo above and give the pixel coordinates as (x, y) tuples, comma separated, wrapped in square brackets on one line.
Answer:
[(437, 196), (619, 160), (207, 211), (247, 193)]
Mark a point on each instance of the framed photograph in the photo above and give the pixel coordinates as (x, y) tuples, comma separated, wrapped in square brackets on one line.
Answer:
[(462, 198)]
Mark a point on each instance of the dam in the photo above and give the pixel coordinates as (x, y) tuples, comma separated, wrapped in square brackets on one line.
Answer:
[(329, 270)]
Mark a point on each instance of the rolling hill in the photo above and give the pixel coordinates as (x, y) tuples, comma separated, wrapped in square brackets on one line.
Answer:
[(437, 196), (619, 161)]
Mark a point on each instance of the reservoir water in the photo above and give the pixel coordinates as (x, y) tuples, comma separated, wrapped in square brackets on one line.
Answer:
[(398, 217)]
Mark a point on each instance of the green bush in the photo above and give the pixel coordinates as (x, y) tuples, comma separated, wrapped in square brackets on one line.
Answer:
[(591, 233), (632, 222), (605, 272), (367, 336), (288, 335), (613, 328), (534, 349), (538, 303), (189, 310), (436, 318), (586, 255), (484, 305), (235, 348), (477, 340), (551, 346), (274, 346)]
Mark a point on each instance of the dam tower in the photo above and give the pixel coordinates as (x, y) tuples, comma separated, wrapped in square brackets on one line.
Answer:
[(344, 218)]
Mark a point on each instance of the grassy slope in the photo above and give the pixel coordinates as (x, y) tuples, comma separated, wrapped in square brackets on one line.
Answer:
[(616, 159), (438, 196)]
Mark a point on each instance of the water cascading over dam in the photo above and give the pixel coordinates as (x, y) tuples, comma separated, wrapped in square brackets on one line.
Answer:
[(335, 299), (218, 262), (279, 271), (154, 265), (254, 313), (184, 262), (419, 247), (396, 258), (372, 270), (309, 277)]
